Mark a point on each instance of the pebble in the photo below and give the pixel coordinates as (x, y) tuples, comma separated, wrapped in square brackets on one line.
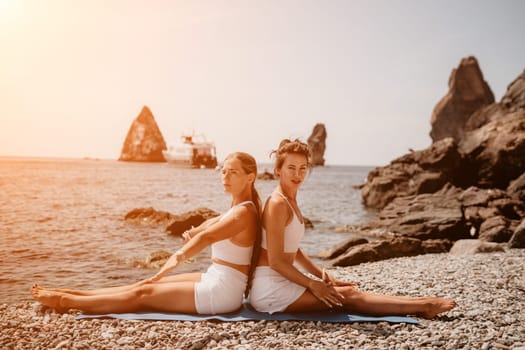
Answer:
[(488, 288)]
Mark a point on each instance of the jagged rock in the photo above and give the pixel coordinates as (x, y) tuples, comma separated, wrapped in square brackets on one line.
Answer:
[(394, 248), (473, 246), (495, 153), (417, 172), (148, 217), (317, 144), (468, 91), (518, 237), (144, 142), (425, 216), (516, 188), (341, 248), (514, 98), (490, 153), (185, 221), (495, 229)]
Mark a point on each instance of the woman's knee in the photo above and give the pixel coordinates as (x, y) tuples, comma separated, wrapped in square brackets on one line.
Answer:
[(141, 292), (349, 293)]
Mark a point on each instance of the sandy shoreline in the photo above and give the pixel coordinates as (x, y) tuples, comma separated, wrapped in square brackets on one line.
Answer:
[(489, 289)]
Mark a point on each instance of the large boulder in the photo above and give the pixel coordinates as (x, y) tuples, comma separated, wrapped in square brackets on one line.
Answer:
[(317, 144), (144, 142), (495, 229), (148, 217), (468, 91), (186, 221), (388, 249), (474, 246), (426, 216), (518, 237)]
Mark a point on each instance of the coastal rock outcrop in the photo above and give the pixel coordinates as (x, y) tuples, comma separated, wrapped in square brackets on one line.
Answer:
[(474, 246), (175, 224), (469, 184), (317, 144), (468, 91), (417, 172), (186, 221), (488, 153), (518, 237), (394, 248), (148, 217), (144, 141)]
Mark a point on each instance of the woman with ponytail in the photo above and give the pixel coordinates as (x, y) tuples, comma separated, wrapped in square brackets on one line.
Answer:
[(279, 286), (220, 289)]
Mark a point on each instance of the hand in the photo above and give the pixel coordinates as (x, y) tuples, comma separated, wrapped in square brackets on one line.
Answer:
[(340, 283), (335, 282), (153, 279), (326, 293)]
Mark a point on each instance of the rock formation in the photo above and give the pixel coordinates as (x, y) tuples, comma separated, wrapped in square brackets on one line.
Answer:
[(467, 93), (469, 184), (190, 219), (489, 154), (144, 142), (317, 143)]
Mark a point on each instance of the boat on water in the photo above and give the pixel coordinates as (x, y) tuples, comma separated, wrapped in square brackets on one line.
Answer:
[(193, 151)]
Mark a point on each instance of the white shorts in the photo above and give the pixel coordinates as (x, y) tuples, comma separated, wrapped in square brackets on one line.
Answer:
[(220, 290), (272, 292)]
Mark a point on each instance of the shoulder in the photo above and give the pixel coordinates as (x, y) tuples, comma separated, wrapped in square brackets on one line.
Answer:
[(278, 205), (244, 212)]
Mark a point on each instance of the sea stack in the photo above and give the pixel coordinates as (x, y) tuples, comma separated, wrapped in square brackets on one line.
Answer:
[(317, 144), (468, 92), (144, 142)]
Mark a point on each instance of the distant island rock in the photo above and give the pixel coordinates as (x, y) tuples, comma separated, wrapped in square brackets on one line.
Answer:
[(144, 142), (317, 144), (469, 184)]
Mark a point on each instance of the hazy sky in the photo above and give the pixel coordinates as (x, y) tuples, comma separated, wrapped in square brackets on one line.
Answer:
[(74, 74)]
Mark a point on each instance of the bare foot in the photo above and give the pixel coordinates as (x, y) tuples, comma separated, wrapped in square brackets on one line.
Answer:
[(48, 298), (437, 306)]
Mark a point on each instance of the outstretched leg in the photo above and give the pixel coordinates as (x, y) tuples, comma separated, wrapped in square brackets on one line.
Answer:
[(169, 297), (376, 304), (182, 277)]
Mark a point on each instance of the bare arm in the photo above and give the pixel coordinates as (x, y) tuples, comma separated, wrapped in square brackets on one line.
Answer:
[(275, 218), (302, 259), (307, 263), (188, 234), (242, 218)]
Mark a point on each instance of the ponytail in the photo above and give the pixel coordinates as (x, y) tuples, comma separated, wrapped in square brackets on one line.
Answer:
[(256, 252)]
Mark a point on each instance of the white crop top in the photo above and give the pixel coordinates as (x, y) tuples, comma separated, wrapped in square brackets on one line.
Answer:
[(228, 251), (293, 232)]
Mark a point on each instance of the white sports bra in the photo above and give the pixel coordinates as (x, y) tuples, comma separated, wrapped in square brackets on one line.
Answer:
[(228, 251), (293, 232)]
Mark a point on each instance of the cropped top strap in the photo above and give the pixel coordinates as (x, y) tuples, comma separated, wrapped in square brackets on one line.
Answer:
[(293, 232), (228, 251)]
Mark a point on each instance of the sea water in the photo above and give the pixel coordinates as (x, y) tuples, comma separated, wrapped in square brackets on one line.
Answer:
[(62, 220)]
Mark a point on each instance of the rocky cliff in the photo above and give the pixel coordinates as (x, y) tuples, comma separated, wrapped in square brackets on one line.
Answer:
[(144, 142), (469, 184)]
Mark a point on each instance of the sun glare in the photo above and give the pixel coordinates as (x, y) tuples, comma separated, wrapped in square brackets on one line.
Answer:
[(9, 10)]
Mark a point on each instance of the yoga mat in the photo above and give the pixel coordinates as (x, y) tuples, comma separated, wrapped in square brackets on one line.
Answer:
[(246, 314)]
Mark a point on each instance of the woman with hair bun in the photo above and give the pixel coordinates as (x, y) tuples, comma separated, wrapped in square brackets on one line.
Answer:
[(278, 286)]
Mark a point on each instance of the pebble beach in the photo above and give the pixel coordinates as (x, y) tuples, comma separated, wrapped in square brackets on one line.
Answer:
[(489, 289)]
